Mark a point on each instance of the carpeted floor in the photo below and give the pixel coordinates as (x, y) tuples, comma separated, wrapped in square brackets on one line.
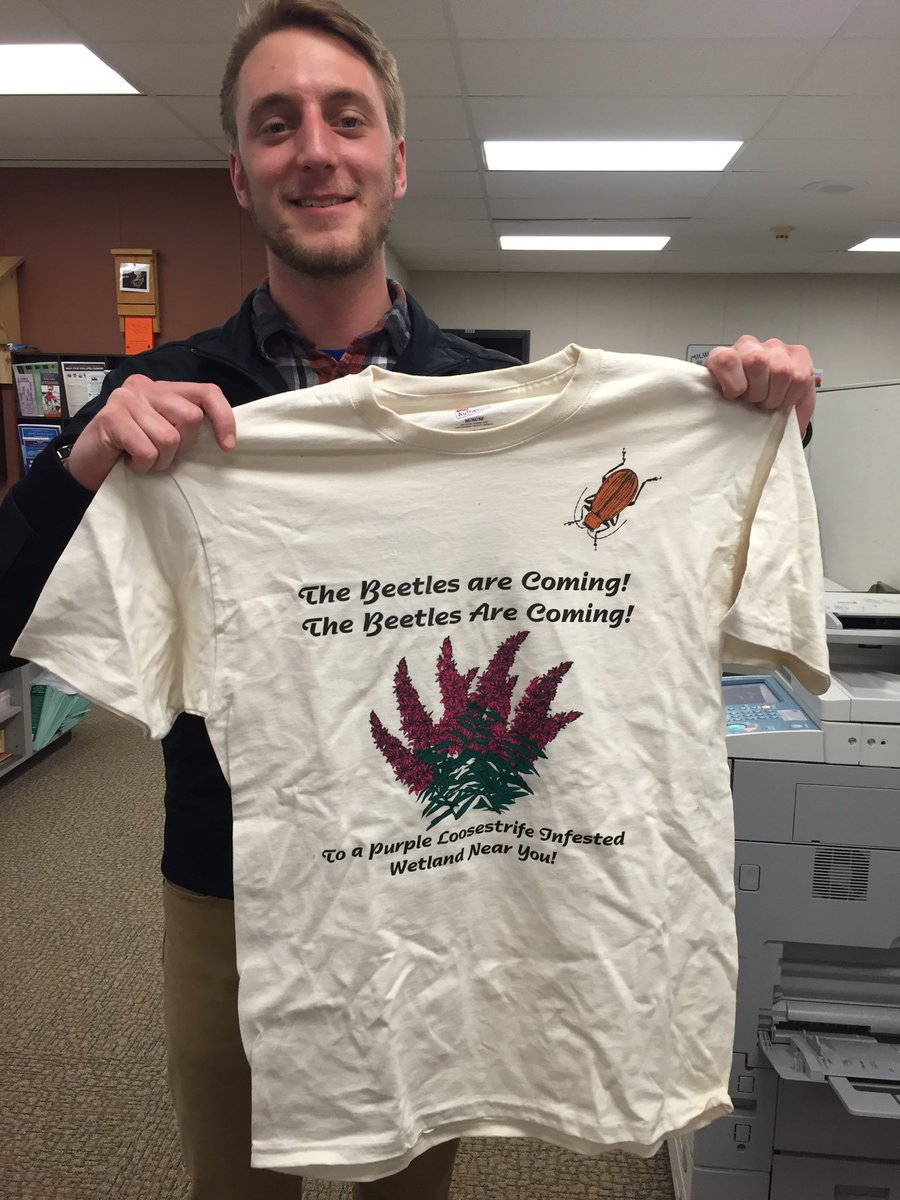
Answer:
[(84, 1113)]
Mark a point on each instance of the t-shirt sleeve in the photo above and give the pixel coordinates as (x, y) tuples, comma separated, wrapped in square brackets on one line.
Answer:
[(127, 615), (777, 617)]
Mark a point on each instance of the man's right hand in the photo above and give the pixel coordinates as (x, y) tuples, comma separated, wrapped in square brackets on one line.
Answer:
[(149, 421)]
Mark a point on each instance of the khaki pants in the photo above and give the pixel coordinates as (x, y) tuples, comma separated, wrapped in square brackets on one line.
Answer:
[(209, 1076)]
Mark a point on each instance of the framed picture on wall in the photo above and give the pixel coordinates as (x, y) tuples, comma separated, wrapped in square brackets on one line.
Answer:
[(134, 277)]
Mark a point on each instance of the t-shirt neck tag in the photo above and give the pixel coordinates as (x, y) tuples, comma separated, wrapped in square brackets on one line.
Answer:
[(473, 418)]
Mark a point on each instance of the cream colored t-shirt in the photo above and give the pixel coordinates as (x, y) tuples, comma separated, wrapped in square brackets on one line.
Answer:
[(458, 644)]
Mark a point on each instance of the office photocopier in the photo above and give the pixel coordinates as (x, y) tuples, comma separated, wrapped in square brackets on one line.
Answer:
[(815, 1078)]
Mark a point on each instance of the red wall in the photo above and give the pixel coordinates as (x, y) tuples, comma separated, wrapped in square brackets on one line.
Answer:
[(65, 222)]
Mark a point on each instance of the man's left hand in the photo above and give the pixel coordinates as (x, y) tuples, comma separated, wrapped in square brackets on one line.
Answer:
[(770, 374)]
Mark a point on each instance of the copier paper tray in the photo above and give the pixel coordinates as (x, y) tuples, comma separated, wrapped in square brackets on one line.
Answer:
[(863, 1071)]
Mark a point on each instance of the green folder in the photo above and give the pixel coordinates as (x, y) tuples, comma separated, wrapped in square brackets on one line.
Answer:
[(53, 712)]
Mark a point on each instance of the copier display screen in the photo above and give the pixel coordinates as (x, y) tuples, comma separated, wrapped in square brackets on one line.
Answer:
[(751, 693)]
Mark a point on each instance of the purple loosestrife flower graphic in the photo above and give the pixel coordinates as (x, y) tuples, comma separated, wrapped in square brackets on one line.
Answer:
[(474, 756)]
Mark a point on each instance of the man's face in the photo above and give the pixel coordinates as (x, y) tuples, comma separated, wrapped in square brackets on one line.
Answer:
[(315, 162)]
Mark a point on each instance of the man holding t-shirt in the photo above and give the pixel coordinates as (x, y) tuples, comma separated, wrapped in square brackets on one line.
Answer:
[(312, 105)]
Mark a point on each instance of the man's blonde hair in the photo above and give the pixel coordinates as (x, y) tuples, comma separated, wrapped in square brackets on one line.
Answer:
[(263, 17)]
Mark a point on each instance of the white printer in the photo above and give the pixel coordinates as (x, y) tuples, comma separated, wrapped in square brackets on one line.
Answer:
[(815, 1080)]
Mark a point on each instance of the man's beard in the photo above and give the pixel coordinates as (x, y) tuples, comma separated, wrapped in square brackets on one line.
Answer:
[(327, 262)]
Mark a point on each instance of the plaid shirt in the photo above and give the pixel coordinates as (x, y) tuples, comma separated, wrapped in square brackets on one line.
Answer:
[(304, 365)]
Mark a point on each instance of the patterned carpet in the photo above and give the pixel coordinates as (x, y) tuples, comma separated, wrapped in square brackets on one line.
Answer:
[(85, 1114)]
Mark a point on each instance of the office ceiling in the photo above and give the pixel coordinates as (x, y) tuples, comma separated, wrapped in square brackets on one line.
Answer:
[(812, 87)]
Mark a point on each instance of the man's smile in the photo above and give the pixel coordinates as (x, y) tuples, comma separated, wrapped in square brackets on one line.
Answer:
[(320, 201)]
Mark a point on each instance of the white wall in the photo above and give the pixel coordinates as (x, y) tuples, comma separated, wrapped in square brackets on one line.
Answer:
[(851, 323), (394, 268)]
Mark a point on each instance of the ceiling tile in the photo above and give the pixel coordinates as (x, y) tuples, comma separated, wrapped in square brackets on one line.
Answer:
[(731, 117), (650, 18), (726, 236), (835, 117), (164, 20), (792, 206), (819, 155), (453, 260), (412, 233), (437, 118), (444, 183), (732, 263), (443, 208), (596, 208), (887, 227), (577, 184), (636, 68), (873, 18), (211, 20), (622, 225), (568, 262), (789, 184), (437, 155), (200, 112), (26, 21), (155, 70), (427, 68), (855, 67), (408, 19), (97, 116)]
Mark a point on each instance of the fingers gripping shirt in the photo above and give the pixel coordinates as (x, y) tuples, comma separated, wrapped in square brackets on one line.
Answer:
[(458, 643)]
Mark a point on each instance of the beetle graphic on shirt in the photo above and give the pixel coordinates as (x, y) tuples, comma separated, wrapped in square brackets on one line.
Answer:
[(598, 513)]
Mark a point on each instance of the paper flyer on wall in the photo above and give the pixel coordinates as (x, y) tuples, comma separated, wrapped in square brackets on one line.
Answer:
[(38, 389), (83, 381)]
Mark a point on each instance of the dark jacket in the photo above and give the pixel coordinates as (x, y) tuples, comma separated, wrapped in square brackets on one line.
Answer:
[(40, 514)]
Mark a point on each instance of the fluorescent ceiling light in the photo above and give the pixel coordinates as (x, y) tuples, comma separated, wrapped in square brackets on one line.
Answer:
[(508, 242), (609, 156), (891, 244), (66, 70)]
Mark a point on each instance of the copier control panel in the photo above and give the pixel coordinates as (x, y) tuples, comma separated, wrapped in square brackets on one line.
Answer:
[(763, 720)]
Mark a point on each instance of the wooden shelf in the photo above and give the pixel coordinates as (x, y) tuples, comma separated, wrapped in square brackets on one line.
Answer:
[(9, 764)]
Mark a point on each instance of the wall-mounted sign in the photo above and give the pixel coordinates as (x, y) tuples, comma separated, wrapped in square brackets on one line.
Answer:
[(138, 334)]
